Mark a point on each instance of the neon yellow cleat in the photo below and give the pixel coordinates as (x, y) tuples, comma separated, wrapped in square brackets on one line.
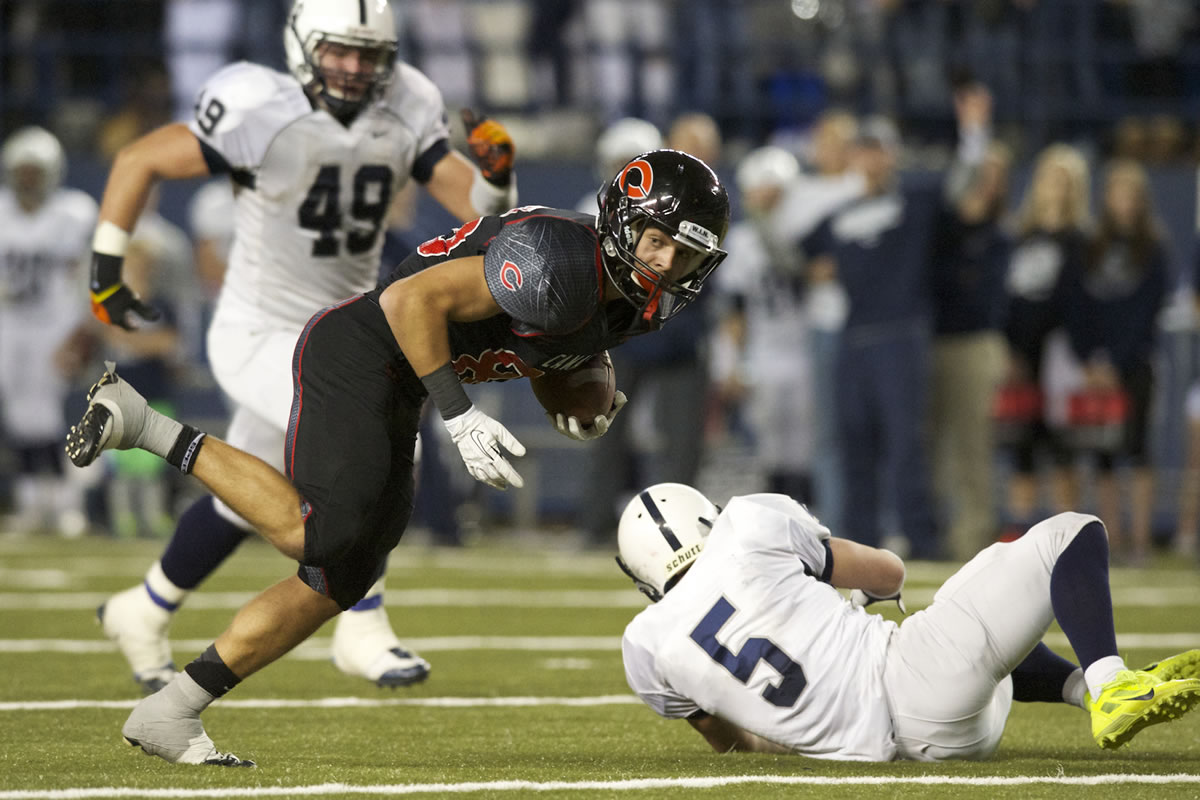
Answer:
[(1172, 668), (1135, 700)]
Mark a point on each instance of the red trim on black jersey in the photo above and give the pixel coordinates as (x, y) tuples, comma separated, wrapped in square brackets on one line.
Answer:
[(298, 391)]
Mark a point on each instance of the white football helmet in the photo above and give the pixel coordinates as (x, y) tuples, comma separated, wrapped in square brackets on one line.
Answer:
[(623, 140), (766, 167), (661, 532), (33, 147), (365, 24)]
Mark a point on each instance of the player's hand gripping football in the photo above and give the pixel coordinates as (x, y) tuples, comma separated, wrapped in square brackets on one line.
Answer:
[(479, 439), (572, 428), (860, 599), (491, 147), (114, 303)]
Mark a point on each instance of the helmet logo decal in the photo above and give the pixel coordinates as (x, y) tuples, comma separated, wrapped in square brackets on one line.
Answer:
[(510, 276), (637, 179)]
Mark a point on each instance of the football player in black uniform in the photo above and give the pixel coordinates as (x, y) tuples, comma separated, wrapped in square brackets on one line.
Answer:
[(531, 291)]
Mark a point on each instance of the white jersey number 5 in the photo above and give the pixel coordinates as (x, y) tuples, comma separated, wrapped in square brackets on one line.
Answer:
[(741, 665)]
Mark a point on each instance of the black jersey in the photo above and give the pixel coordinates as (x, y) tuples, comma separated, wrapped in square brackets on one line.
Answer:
[(544, 270)]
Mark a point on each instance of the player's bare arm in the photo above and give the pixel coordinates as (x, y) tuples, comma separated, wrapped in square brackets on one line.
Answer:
[(171, 152), (451, 184), (879, 573), (419, 307), (725, 737)]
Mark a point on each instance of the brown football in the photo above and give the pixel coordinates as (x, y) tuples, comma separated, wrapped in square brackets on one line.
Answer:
[(584, 392)]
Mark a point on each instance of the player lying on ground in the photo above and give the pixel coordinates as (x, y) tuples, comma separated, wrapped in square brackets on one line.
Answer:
[(755, 582), (533, 291)]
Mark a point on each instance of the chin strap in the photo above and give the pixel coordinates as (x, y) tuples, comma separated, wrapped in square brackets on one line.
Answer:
[(642, 586)]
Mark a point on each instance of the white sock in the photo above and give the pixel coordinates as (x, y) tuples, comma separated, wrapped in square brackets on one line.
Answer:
[(1073, 689), (1101, 672), (161, 585), (375, 590)]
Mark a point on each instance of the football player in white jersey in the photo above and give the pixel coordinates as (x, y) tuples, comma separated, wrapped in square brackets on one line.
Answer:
[(44, 232), (752, 644), (315, 157), (762, 353)]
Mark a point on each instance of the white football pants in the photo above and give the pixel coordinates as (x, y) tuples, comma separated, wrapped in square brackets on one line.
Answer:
[(947, 668)]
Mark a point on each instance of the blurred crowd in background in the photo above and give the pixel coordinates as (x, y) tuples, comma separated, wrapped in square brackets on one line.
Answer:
[(959, 292)]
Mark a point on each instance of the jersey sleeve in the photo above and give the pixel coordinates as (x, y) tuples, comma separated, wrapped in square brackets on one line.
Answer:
[(82, 211), (776, 522), (643, 679), (415, 99), (545, 272), (239, 110)]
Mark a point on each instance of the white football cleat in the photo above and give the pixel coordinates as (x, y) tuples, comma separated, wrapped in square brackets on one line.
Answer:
[(138, 626), (365, 646)]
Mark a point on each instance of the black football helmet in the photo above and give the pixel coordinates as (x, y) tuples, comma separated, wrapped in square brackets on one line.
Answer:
[(678, 193)]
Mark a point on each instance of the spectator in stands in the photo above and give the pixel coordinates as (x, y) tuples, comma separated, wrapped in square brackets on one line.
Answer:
[(669, 372), (1050, 240), (971, 254), (879, 246), (1110, 309), (827, 184)]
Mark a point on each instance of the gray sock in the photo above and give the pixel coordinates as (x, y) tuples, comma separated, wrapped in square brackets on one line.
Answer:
[(158, 434), (189, 693)]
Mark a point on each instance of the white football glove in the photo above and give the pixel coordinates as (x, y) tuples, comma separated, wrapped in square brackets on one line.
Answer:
[(860, 599), (572, 428), (479, 439)]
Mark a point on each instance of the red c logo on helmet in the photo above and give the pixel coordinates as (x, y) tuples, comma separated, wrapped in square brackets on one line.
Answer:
[(640, 189)]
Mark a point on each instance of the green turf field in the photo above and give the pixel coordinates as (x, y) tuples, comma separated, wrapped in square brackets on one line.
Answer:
[(527, 695)]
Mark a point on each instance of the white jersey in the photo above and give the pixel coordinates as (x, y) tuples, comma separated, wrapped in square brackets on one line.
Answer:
[(210, 216), (43, 256), (752, 635), (312, 194), (770, 277)]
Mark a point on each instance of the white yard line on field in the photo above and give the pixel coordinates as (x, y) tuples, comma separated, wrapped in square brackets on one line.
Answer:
[(318, 649), (448, 597), (635, 784), (348, 702)]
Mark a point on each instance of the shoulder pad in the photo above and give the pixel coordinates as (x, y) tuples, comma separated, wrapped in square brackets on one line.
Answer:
[(544, 270), (407, 80), (79, 204), (244, 86)]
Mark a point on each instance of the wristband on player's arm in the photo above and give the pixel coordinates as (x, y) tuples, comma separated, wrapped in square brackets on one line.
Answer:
[(108, 253), (446, 391)]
